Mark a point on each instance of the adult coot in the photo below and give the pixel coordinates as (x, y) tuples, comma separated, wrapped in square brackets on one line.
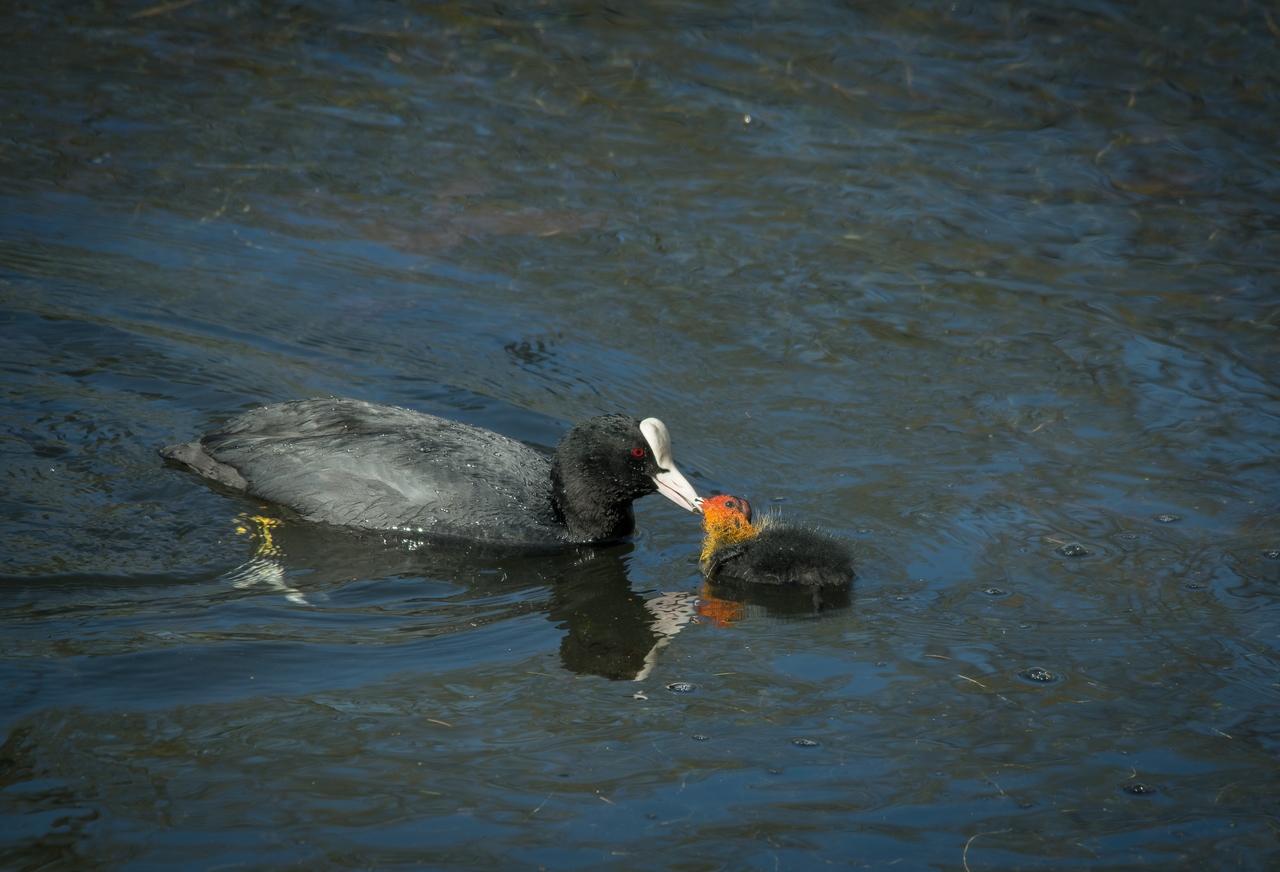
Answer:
[(378, 467), (770, 551)]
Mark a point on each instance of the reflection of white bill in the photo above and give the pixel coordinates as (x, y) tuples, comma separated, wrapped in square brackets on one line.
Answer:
[(671, 611)]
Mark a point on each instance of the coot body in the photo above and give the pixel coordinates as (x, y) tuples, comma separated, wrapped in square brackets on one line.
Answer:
[(376, 467), (770, 550)]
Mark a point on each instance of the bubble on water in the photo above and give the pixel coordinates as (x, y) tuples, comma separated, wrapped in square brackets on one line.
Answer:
[(1140, 789), (1194, 585), (774, 770), (1168, 519), (805, 743), (682, 687), (1073, 549), (1273, 554), (996, 591), (700, 737), (1130, 536), (1038, 674)]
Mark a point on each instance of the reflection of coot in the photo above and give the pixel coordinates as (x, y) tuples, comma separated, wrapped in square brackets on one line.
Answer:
[(610, 630), (770, 551), (606, 624), (375, 467), (311, 564), (456, 586)]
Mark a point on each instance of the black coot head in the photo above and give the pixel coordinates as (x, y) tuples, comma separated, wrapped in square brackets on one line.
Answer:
[(614, 450), (604, 463)]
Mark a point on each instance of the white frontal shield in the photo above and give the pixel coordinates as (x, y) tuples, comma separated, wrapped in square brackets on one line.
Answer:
[(671, 484)]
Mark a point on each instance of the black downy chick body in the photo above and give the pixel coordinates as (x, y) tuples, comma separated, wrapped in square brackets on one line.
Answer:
[(770, 551)]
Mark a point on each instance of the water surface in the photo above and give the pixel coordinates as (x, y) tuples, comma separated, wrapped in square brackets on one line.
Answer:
[(988, 288)]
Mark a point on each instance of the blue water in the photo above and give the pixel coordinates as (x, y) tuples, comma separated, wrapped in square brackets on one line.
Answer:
[(987, 289)]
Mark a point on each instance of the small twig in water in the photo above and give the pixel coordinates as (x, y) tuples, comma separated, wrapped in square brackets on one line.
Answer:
[(964, 857), (541, 804), (1271, 25), (163, 8)]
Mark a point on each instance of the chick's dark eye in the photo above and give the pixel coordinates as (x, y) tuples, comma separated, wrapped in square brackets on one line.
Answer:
[(730, 504), (637, 452)]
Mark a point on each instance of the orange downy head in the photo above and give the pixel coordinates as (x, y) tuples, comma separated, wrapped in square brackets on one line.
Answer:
[(726, 520)]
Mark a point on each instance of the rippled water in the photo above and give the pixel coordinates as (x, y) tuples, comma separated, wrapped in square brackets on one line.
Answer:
[(988, 288)]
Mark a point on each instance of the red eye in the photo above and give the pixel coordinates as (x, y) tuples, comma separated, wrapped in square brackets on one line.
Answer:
[(637, 452)]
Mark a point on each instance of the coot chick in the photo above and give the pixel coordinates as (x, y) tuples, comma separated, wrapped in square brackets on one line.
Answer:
[(376, 467), (770, 551)]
